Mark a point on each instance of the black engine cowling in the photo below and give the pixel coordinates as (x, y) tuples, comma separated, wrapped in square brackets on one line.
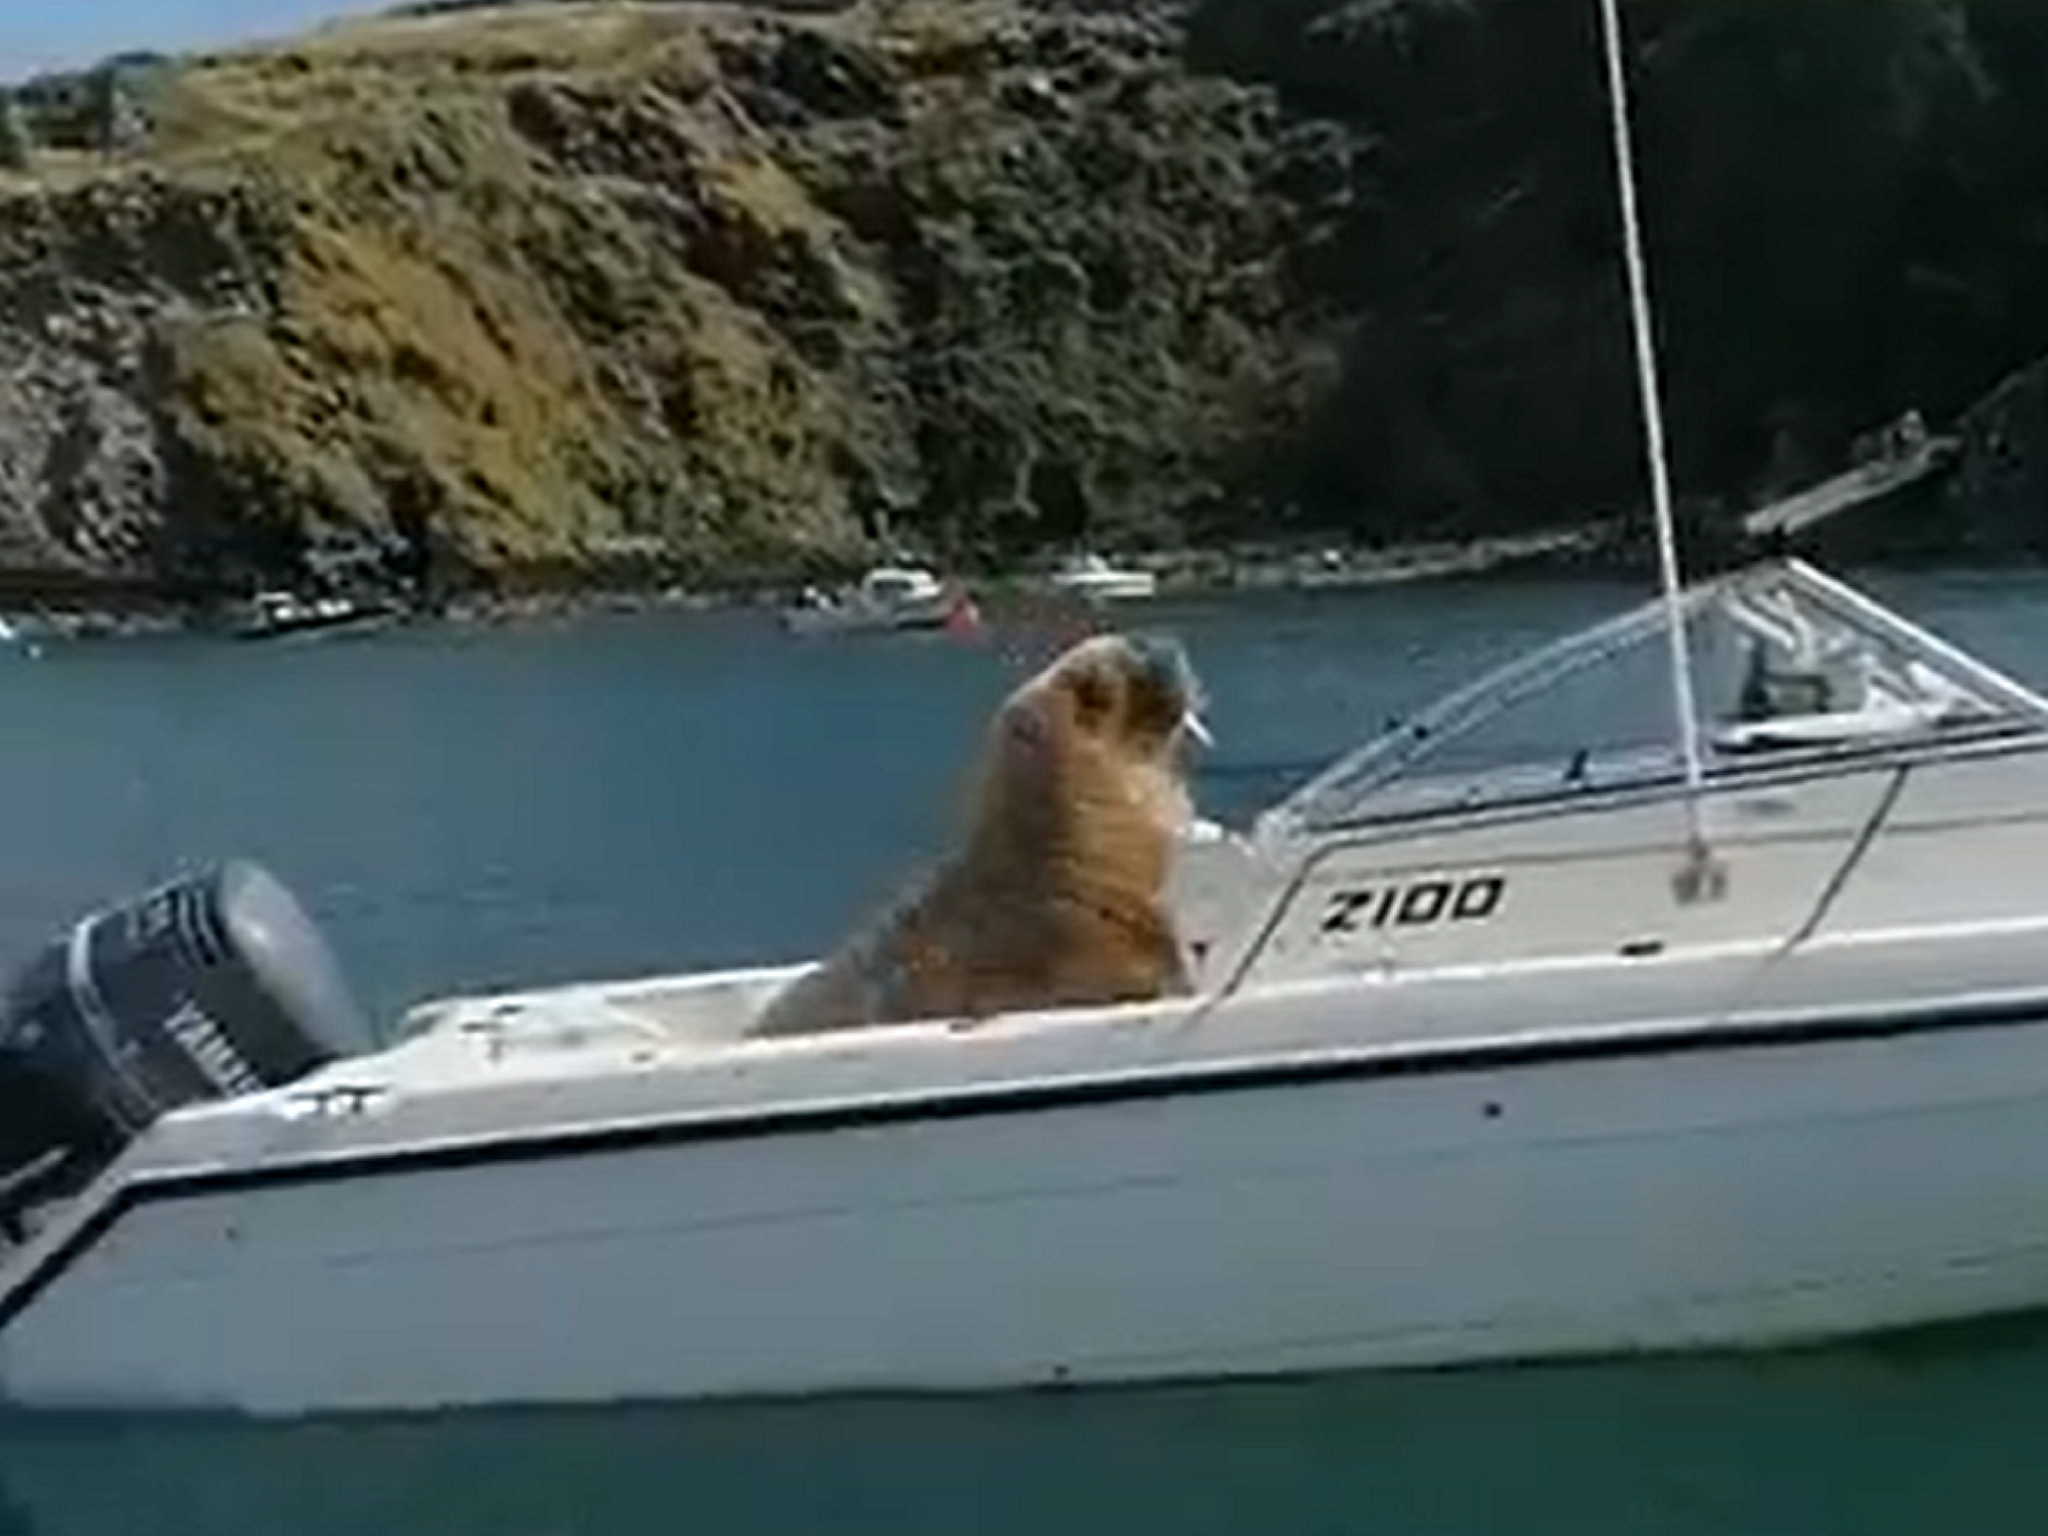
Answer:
[(208, 987)]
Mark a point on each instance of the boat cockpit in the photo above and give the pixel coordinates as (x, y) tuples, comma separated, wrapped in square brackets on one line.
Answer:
[(1796, 671), (1545, 814)]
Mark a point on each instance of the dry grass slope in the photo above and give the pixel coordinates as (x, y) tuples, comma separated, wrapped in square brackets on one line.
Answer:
[(549, 286), (558, 291)]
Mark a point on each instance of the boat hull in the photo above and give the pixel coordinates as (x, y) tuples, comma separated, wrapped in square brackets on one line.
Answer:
[(1662, 1199)]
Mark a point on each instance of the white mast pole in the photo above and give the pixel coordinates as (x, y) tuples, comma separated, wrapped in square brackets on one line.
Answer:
[(1653, 426)]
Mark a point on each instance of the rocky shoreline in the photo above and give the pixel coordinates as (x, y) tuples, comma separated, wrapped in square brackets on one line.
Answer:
[(1595, 549), (1894, 489), (1181, 574)]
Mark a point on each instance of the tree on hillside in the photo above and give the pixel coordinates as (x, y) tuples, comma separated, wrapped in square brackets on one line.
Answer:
[(14, 136), (1805, 164), (118, 122)]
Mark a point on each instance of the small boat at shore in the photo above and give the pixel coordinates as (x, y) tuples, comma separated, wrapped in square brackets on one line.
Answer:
[(888, 599), (1091, 577), (271, 615)]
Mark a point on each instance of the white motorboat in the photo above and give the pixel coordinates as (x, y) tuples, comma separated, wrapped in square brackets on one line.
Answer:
[(1532, 1029), (1489, 1062), (1090, 576), (274, 614), (888, 598)]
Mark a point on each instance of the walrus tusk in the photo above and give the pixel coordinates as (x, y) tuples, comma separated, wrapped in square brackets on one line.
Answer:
[(1196, 727)]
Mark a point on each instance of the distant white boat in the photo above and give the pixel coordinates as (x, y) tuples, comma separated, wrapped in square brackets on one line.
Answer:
[(888, 598), (1089, 575), (272, 614)]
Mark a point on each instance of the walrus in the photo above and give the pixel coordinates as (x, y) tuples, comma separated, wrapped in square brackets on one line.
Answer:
[(1055, 895)]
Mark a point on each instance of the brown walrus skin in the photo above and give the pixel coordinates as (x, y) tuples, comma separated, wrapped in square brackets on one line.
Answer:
[(1056, 895)]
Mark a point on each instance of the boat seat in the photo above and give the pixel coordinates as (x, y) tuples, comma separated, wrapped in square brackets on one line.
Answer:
[(1838, 727)]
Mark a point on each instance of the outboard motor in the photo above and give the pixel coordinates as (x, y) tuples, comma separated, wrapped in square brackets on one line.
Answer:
[(208, 987)]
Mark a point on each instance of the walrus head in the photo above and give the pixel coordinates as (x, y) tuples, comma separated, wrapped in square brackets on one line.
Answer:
[(1098, 734), (1136, 693)]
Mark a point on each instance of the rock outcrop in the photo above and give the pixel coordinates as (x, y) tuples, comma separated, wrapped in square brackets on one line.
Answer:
[(1998, 499), (1841, 198), (564, 292)]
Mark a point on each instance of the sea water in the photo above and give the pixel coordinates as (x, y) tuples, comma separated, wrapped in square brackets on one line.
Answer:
[(511, 806)]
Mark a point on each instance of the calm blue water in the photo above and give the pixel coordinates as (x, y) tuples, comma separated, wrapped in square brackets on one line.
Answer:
[(507, 807)]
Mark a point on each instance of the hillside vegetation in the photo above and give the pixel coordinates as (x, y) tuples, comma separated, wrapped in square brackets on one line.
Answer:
[(562, 292)]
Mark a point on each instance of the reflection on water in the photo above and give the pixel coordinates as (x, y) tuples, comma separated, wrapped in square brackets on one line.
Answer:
[(1931, 1436)]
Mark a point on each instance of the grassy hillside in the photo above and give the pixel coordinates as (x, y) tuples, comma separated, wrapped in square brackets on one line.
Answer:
[(512, 294), (491, 296)]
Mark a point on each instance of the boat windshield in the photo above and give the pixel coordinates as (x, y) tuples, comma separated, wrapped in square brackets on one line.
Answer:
[(1789, 664)]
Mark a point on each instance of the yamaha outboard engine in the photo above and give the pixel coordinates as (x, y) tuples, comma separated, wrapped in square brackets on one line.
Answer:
[(205, 988)]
